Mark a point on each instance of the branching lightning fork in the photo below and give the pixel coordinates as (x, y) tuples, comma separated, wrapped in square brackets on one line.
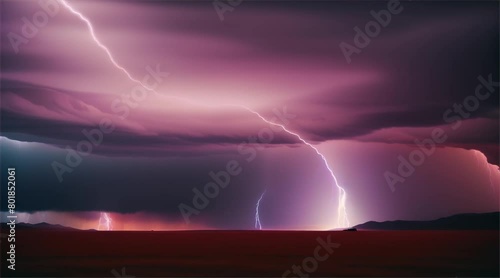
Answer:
[(342, 219)]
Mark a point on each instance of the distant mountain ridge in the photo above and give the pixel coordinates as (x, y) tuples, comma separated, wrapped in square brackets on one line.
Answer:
[(42, 225), (466, 221)]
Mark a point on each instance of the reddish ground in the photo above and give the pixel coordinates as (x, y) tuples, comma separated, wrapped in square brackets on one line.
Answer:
[(41, 253)]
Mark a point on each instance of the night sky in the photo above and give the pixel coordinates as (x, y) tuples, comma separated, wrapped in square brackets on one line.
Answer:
[(279, 59)]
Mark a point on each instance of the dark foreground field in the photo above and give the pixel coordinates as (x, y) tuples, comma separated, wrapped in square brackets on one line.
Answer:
[(252, 253)]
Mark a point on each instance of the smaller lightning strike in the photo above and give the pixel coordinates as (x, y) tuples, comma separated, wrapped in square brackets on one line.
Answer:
[(105, 221), (258, 225)]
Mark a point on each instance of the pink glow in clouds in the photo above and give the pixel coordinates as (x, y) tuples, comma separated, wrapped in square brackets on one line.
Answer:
[(264, 57)]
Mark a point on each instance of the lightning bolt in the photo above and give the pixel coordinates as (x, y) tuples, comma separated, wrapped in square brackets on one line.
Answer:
[(101, 45), (257, 217), (105, 221), (342, 218)]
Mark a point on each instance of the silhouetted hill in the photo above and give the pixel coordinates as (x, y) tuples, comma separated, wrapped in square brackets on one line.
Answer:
[(43, 225), (468, 221)]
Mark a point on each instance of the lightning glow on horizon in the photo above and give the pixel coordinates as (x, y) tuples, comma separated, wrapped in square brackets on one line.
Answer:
[(342, 218), (105, 221), (258, 225)]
